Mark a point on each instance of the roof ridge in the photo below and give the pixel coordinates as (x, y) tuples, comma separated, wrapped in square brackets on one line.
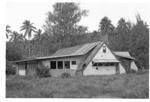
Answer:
[(76, 46)]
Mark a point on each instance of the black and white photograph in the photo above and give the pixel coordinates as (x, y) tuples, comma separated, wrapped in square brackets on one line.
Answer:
[(77, 49)]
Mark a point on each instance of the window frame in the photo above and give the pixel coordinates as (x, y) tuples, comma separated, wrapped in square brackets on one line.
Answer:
[(74, 62), (58, 66), (53, 63), (104, 49), (66, 62)]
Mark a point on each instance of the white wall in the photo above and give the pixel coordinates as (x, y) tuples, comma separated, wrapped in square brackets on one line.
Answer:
[(133, 66), (107, 55), (22, 72), (104, 70), (72, 70), (121, 68), (78, 60)]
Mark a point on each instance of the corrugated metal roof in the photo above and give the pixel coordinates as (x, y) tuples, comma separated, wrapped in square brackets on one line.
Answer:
[(24, 60), (123, 54), (73, 51)]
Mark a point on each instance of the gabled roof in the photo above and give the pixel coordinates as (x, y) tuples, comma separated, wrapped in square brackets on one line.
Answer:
[(73, 51), (124, 54)]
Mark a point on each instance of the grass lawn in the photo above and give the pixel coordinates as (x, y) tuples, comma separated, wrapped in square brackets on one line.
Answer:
[(114, 86)]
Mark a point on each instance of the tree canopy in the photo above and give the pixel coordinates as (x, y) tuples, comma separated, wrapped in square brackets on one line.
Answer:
[(62, 22)]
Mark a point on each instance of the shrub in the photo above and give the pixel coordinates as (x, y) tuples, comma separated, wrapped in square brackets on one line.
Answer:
[(132, 71), (10, 70), (141, 72), (65, 75), (43, 71)]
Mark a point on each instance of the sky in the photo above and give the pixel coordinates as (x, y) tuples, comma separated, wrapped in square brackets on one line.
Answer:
[(36, 12)]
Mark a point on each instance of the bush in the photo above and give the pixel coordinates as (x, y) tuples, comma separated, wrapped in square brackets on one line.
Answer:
[(132, 71), (142, 72), (43, 71), (10, 70), (65, 75)]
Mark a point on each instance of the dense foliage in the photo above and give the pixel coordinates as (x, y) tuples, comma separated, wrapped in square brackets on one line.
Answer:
[(65, 75), (43, 71), (62, 30)]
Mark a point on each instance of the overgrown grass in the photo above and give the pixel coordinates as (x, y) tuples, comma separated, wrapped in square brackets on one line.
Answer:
[(114, 86)]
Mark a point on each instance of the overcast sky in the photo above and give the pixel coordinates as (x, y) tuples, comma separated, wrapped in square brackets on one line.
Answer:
[(36, 12)]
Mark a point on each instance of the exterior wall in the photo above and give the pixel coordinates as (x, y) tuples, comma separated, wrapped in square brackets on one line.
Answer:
[(133, 66), (71, 71), (121, 69), (21, 70), (107, 55), (31, 68), (103, 70), (126, 64)]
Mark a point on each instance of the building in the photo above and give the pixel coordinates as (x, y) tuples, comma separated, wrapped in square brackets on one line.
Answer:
[(88, 59)]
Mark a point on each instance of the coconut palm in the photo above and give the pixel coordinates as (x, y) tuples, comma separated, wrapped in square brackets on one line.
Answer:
[(8, 31), (37, 36), (38, 39), (14, 36), (20, 37), (28, 28)]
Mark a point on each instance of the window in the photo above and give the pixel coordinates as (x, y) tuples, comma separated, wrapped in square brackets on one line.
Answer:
[(104, 49), (67, 64), (112, 64), (73, 62), (60, 64), (53, 64), (95, 64), (103, 64), (100, 64)]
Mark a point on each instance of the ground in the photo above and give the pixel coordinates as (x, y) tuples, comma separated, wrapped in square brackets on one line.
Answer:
[(135, 85)]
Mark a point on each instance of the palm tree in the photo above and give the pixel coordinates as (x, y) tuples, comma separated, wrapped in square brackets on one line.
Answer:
[(37, 36), (20, 37), (38, 39), (8, 31), (28, 28), (14, 36)]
